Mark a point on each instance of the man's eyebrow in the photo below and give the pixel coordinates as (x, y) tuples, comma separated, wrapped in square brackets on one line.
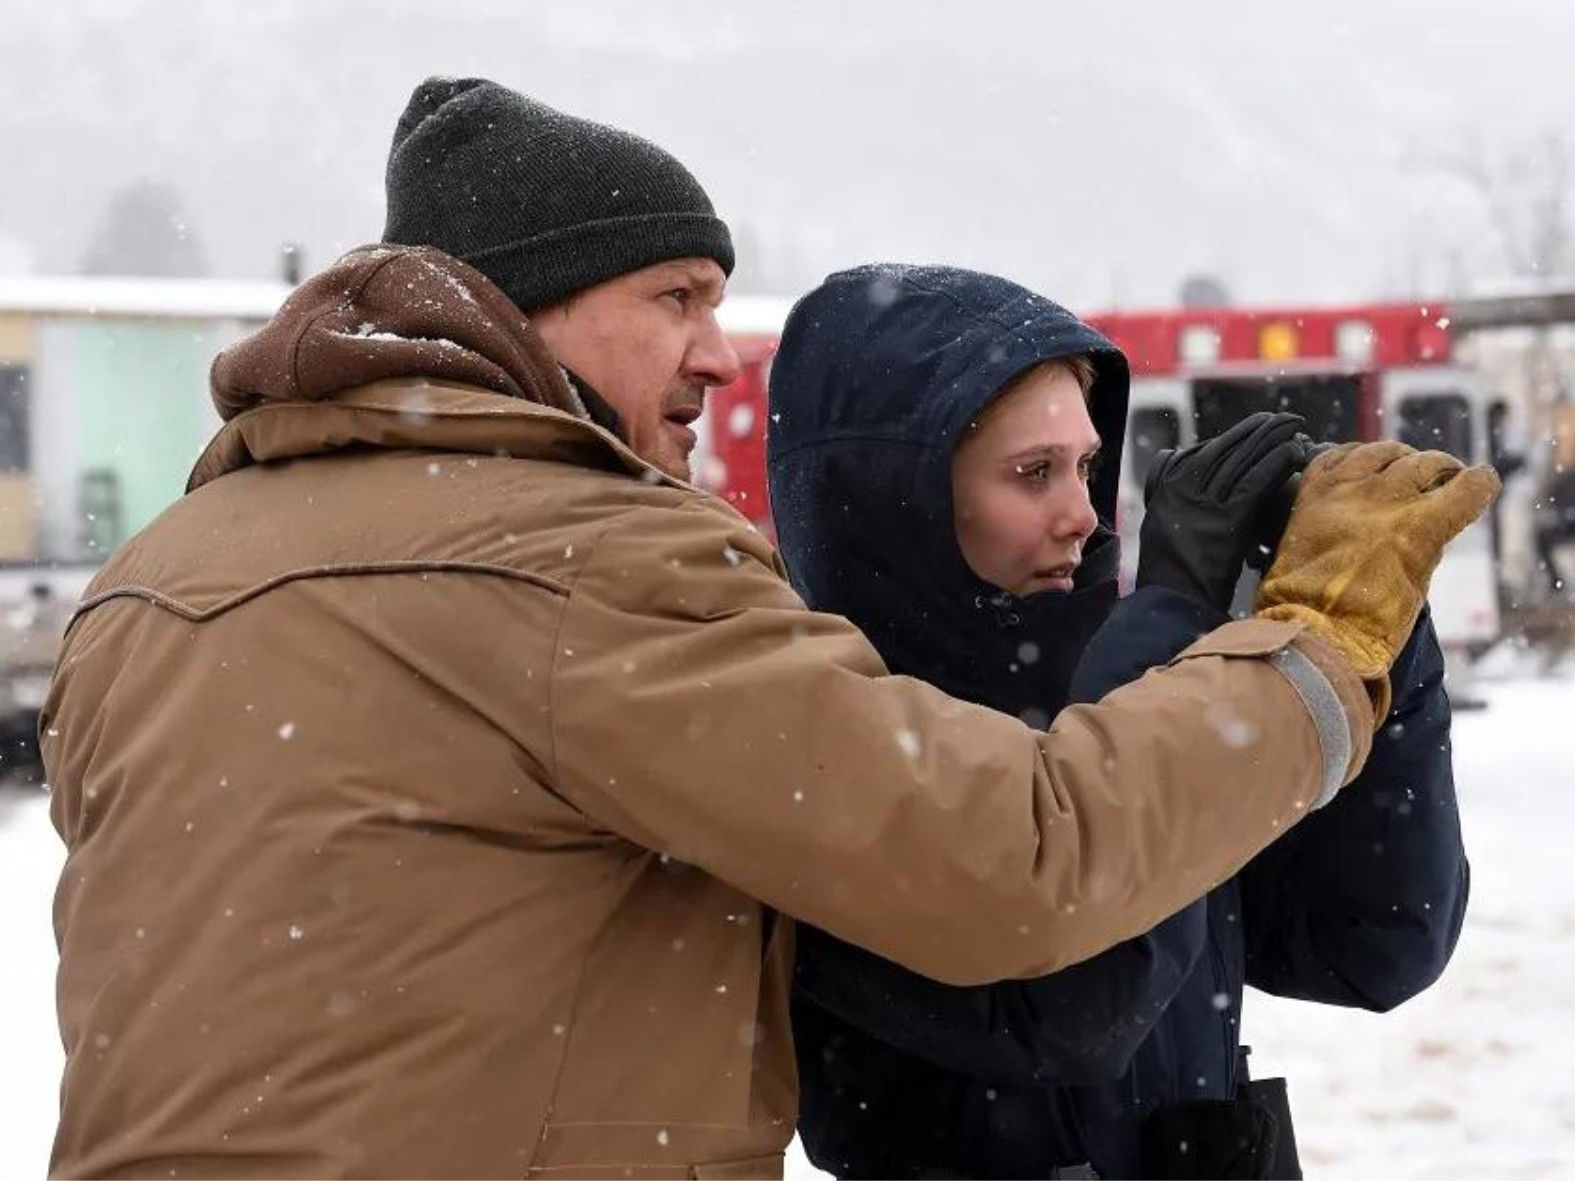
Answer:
[(701, 280)]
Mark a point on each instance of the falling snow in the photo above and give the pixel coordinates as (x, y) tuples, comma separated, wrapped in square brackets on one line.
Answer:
[(1471, 1078)]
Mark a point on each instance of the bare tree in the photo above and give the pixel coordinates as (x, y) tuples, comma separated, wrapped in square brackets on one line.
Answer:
[(1526, 190), (144, 232), (1204, 290)]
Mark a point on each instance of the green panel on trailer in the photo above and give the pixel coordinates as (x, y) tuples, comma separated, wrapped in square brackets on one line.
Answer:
[(140, 419)]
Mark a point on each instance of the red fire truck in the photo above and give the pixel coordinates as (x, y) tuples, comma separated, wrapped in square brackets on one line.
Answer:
[(1373, 371)]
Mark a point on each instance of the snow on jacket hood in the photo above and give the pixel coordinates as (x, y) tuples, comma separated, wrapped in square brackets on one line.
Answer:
[(382, 312)]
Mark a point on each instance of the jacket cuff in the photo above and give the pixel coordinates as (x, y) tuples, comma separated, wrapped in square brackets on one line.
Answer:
[(1341, 711), (1356, 700)]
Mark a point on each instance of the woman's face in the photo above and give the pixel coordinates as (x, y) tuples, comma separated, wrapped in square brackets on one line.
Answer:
[(1020, 484)]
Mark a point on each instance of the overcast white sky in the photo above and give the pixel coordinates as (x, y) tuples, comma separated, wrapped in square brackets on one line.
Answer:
[(1099, 151)]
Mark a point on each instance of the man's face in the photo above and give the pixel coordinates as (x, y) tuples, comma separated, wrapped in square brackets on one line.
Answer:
[(649, 343)]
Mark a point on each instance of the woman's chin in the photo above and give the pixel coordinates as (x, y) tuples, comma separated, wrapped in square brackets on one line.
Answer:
[(1059, 584)]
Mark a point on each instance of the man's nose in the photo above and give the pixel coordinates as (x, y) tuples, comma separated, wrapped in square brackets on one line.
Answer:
[(712, 358)]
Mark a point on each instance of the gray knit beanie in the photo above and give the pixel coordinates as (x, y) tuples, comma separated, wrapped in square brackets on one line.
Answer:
[(540, 202)]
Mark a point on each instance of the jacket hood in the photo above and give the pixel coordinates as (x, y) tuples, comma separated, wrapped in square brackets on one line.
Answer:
[(879, 373), (385, 312), (400, 347)]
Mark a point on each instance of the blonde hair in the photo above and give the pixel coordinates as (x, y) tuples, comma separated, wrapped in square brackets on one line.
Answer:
[(1080, 366)]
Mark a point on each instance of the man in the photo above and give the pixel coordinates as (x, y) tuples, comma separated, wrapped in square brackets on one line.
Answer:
[(1554, 522), (441, 774)]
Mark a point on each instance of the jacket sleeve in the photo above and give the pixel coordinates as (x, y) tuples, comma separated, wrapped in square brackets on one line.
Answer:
[(1363, 903), (1080, 1025), (699, 710)]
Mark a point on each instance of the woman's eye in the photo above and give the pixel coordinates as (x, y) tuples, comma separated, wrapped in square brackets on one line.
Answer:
[(1089, 468), (1034, 473)]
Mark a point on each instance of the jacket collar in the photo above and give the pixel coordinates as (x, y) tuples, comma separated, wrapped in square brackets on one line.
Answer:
[(414, 413)]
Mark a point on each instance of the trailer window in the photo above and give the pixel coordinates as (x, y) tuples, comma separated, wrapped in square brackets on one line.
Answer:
[(13, 419), (1153, 429), (1437, 422), (1327, 401)]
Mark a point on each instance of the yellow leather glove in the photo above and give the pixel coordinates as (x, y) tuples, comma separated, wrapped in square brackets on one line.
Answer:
[(1370, 524)]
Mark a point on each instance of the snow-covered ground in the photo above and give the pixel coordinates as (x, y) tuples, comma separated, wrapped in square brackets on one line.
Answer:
[(30, 1054), (1476, 1077)]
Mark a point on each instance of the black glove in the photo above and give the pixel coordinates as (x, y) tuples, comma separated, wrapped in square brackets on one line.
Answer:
[(1204, 503)]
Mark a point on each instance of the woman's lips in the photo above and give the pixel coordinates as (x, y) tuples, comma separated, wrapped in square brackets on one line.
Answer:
[(1056, 577)]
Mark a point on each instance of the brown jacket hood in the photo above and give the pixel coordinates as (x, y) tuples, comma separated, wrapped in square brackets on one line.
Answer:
[(390, 312), (399, 347)]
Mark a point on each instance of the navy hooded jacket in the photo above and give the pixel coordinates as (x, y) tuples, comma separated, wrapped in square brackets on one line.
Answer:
[(881, 369)]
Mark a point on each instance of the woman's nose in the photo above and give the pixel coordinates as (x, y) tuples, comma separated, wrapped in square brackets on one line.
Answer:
[(1078, 519)]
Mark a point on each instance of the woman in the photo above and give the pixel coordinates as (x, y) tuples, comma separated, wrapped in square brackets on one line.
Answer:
[(943, 455)]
